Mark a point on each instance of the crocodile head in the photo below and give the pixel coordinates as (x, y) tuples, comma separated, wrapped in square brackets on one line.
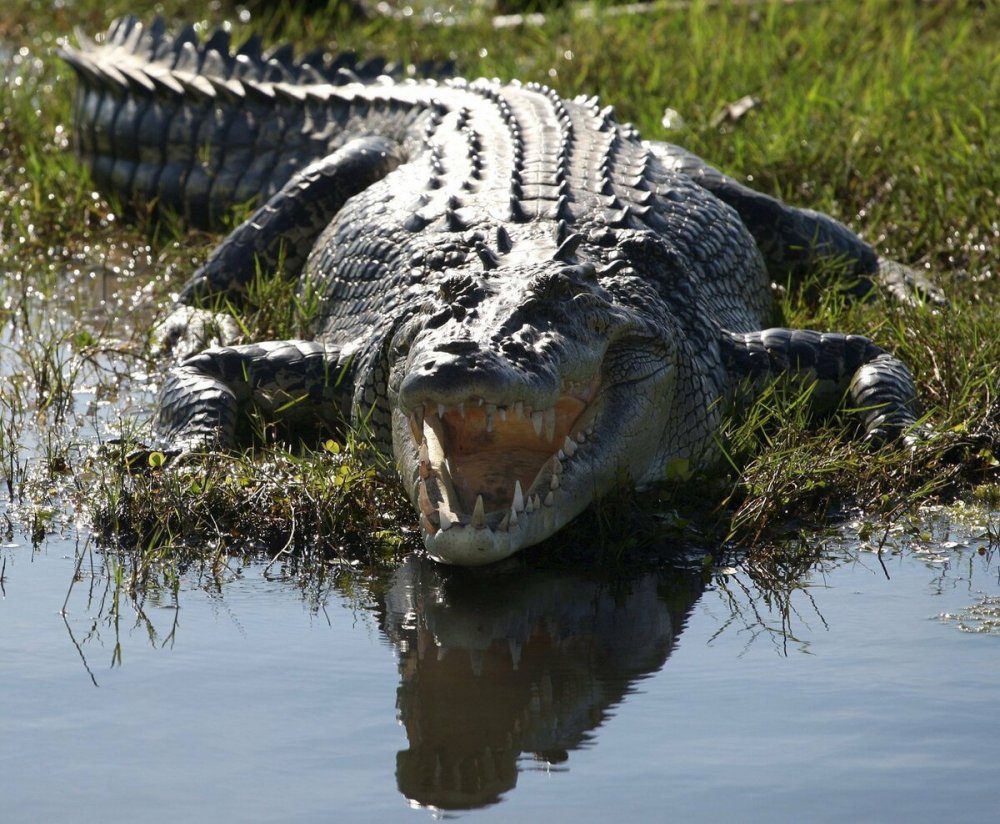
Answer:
[(521, 395)]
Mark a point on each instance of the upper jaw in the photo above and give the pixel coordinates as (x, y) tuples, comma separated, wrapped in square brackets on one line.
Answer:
[(490, 476)]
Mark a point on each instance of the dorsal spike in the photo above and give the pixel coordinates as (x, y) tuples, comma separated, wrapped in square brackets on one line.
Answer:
[(344, 76), (517, 213), (454, 222), (252, 48), (568, 246), (487, 256), (504, 243)]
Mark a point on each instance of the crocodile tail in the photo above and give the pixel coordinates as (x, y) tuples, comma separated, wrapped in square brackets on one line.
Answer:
[(196, 126)]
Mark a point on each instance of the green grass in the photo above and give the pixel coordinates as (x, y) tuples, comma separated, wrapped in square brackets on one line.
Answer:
[(883, 114)]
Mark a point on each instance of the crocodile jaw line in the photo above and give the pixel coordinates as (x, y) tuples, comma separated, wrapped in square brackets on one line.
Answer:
[(492, 478)]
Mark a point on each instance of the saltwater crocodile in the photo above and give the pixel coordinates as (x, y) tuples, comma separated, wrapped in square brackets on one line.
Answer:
[(525, 302)]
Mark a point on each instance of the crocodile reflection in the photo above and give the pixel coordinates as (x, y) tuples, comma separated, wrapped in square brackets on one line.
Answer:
[(497, 666)]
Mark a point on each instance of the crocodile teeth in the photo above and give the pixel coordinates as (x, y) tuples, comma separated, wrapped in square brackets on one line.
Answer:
[(518, 409), (502, 412), (569, 447), (424, 499), (479, 514), (505, 523), (530, 507), (515, 652), (417, 424), (554, 483), (441, 410), (424, 466), (446, 521), (550, 424), (518, 502), (536, 422), (550, 497), (513, 517), (490, 412)]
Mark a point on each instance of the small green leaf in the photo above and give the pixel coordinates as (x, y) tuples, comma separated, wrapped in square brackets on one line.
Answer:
[(84, 339), (678, 469)]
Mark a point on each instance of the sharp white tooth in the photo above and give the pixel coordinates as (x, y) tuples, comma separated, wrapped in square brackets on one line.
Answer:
[(561, 455), (513, 517), (441, 410), (461, 409), (557, 467), (417, 424), (554, 483), (479, 514), (590, 431), (504, 524), (536, 422), (569, 446), (531, 505), (518, 502), (550, 498), (515, 652), (490, 412), (550, 424), (580, 437), (446, 521), (424, 500), (538, 501), (518, 409), (502, 412)]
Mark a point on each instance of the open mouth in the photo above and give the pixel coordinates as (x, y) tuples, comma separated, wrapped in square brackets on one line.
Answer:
[(490, 465)]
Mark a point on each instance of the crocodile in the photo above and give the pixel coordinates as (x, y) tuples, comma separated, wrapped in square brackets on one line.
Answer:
[(522, 300)]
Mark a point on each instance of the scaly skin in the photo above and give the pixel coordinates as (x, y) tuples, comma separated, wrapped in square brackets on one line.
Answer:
[(523, 300)]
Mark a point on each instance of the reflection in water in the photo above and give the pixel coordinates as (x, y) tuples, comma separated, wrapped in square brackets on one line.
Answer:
[(502, 668), (497, 664)]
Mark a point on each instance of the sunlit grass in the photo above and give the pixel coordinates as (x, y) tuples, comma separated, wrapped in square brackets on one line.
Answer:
[(882, 114)]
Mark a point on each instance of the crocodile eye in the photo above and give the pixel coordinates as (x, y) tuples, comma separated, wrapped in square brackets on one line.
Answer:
[(454, 287), (567, 282), (582, 271)]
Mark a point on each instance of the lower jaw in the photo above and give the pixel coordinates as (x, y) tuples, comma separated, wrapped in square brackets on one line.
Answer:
[(466, 545)]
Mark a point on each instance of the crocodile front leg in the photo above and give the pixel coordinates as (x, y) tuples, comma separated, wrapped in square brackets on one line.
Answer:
[(279, 236), (874, 381), (300, 386), (275, 240)]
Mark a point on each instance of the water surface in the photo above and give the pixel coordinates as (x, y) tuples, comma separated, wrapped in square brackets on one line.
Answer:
[(521, 694)]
